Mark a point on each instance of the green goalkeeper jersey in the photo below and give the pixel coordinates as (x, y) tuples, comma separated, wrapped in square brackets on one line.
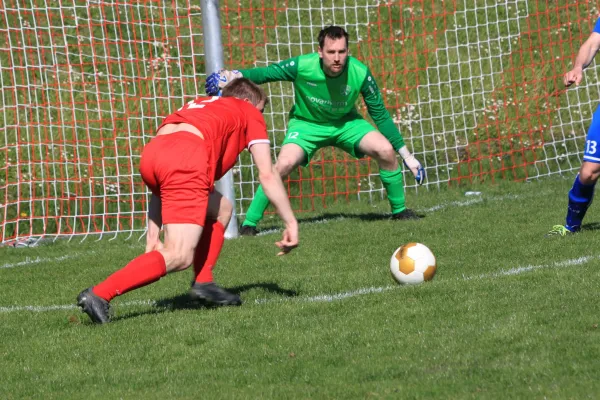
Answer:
[(326, 100)]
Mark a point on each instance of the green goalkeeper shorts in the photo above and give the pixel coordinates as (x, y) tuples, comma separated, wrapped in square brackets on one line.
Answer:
[(311, 136)]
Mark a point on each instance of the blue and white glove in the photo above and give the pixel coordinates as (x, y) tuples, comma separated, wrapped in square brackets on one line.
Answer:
[(218, 80), (413, 164)]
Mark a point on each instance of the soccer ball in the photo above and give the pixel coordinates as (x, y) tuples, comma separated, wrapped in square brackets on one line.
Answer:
[(413, 263)]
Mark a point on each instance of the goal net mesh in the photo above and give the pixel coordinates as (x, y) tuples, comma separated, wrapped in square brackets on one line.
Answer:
[(474, 86)]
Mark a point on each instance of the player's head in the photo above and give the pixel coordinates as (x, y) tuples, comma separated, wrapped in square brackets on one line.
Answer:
[(333, 49), (245, 89)]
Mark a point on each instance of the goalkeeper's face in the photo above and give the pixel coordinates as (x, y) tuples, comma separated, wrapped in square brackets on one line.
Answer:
[(334, 55)]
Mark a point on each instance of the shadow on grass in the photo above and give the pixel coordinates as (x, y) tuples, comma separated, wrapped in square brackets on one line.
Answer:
[(267, 287), (335, 216), (594, 226), (184, 302)]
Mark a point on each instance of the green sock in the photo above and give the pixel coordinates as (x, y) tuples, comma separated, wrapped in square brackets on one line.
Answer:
[(257, 208), (393, 184)]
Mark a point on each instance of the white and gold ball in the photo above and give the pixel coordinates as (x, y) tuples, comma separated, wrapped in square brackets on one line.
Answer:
[(413, 263)]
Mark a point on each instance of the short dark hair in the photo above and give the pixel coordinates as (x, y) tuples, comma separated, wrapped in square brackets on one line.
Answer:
[(243, 88), (332, 32)]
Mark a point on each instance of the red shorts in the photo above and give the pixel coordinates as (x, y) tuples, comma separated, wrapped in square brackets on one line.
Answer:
[(175, 168)]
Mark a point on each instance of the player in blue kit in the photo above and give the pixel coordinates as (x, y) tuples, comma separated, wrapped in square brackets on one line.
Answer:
[(582, 192)]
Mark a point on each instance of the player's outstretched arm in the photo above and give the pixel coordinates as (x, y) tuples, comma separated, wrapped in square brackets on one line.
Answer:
[(586, 54), (154, 224), (388, 128), (273, 186), (286, 70)]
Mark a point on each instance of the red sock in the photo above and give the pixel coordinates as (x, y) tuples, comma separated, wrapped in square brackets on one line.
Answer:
[(208, 250), (141, 271)]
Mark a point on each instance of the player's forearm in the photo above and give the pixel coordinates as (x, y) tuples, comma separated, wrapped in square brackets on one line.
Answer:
[(285, 70), (585, 55), (272, 73), (380, 114), (154, 218), (256, 75), (275, 192)]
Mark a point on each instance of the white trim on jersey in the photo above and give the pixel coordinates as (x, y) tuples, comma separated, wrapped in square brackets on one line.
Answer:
[(590, 158), (253, 142)]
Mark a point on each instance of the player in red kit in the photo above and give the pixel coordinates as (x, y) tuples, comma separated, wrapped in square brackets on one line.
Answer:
[(193, 148)]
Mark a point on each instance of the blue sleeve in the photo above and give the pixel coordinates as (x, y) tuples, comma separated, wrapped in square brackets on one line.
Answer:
[(597, 26)]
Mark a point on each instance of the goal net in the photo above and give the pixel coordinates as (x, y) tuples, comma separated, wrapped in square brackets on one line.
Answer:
[(474, 86)]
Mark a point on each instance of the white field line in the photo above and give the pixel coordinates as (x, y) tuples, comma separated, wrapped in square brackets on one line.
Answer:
[(574, 262), (519, 270), (43, 260), (464, 203), (28, 261), (39, 260), (480, 199)]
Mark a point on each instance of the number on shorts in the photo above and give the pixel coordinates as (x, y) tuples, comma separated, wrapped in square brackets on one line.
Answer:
[(192, 104), (590, 147), (292, 135)]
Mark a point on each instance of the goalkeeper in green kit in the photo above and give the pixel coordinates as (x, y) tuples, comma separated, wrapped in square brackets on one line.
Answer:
[(326, 87)]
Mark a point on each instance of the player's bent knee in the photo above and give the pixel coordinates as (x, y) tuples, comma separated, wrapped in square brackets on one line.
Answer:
[(388, 154), (285, 166), (386, 157), (588, 178), (589, 173), (177, 260), (183, 262)]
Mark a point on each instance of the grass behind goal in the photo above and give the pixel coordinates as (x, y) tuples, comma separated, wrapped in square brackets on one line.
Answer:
[(509, 314)]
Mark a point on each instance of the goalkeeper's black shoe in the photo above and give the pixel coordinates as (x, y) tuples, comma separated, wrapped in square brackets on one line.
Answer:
[(407, 214), (213, 294), (247, 230), (95, 306)]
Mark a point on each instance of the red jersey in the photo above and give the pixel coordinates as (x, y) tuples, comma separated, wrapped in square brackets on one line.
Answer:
[(229, 125)]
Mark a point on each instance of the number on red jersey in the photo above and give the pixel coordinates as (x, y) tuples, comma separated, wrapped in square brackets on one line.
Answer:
[(192, 104)]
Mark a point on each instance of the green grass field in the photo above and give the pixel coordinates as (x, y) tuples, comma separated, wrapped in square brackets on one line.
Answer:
[(510, 314), (476, 88)]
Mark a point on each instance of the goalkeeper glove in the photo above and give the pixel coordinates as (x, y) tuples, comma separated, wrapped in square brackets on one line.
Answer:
[(413, 164), (218, 80)]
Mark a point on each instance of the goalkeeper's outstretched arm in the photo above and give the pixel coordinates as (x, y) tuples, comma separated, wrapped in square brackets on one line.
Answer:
[(286, 70), (387, 127)]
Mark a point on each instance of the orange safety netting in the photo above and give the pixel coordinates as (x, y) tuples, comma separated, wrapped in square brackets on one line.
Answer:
[(474, 88)]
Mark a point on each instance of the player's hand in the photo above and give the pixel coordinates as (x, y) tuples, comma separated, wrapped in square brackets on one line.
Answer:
[(152, 245), (573, 76), (413, 164), (289, 241), (218, 80), (416, 168)]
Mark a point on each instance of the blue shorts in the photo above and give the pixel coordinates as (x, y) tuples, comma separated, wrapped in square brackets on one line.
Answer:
[(592, 141)]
